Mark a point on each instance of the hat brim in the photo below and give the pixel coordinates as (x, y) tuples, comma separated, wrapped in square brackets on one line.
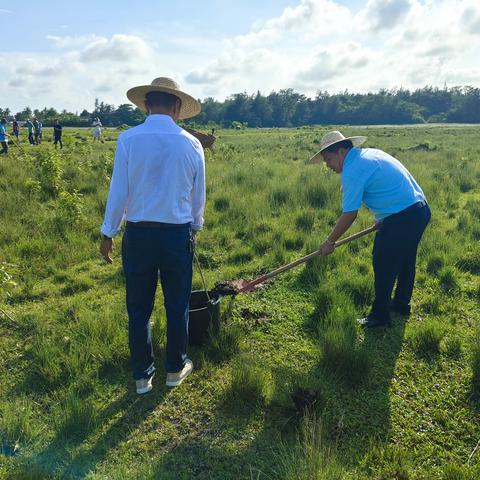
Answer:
[(356, 141), (190, 106)]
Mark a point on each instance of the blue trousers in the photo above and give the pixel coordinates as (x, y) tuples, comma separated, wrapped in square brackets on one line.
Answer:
[(394, 258), (150, 250)]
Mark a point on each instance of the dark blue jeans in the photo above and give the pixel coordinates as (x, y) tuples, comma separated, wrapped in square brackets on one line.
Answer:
[(147, 251), (394, 258)]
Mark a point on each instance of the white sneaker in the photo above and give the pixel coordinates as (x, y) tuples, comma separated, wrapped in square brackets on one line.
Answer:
[(175, 379), (144, 385)]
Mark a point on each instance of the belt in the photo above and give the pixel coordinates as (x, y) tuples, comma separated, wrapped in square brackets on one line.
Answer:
[(409, 209), (156, 225)]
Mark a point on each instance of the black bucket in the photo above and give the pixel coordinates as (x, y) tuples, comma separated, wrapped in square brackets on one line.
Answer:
[(203, 317)]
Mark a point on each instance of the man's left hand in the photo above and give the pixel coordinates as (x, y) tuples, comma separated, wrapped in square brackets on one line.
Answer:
[(327, 248), (106, 248)]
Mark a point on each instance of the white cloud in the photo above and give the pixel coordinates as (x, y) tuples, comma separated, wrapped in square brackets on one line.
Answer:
[(384, 14), (471, 18), (69, 42), (317, 44), (120, 48)]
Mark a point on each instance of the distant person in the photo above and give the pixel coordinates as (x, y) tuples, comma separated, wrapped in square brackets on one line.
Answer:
[(3, 136), (398, 203), (40, 131), (158, 183), (57, 134), (15, 128), (97, 130), (36, 131), (31, 130)]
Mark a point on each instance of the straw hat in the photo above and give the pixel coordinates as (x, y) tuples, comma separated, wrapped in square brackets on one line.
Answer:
[(330, 139), (190, 107)]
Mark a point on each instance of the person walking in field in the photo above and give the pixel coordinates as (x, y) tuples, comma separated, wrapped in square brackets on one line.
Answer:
[(97, 130), (3, 136), (57, 134), (40, 132), (15, 128), (399, 205), (31, 130), (36, 131), (158, 186)]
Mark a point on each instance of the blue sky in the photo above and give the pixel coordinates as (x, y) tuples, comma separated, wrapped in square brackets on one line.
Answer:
[(66, 54)]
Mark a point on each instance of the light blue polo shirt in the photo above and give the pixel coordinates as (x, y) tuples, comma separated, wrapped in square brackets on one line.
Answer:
[(378, 180)]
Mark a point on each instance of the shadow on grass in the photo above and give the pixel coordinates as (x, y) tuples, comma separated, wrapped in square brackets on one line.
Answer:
[(359, 417), (122, 416)]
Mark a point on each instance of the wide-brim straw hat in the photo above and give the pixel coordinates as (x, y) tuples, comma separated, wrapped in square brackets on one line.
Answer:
[(190, 107), (331, 138)]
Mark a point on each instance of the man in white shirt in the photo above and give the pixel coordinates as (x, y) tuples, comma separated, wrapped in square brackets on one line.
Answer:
[(158, 187)]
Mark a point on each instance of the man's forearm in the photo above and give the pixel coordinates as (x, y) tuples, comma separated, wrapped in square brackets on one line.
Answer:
[(343, 224)]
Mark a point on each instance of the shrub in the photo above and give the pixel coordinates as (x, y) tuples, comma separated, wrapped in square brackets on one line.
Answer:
[(425, 338), (49, 171), (70, 209)]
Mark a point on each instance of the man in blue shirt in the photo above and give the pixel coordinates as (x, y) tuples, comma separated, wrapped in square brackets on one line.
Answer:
[(389, 191)]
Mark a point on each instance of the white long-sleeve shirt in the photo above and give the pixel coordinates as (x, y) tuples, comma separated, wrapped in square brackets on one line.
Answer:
[(158, 176)]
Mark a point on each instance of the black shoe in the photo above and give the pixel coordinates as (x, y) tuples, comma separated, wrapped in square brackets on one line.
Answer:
[(371, 322), (400, 309)]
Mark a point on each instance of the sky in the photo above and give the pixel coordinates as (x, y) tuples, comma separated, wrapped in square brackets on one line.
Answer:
[(65, 54)]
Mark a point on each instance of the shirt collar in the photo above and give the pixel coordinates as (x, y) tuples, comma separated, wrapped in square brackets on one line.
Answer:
[(160, 118), (351, 154)]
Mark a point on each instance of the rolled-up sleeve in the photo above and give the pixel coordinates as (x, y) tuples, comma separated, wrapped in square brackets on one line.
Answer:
[(118, 194), (198, 192)]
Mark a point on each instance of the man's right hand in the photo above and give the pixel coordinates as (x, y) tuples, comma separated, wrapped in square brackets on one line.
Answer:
[(106, 249)]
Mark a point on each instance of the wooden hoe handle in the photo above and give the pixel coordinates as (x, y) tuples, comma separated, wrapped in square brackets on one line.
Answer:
[(304, 259)]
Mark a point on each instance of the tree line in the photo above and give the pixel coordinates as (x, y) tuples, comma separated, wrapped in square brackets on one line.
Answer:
[(287, 108)]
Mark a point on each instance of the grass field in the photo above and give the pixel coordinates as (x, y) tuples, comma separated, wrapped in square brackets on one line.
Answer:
[(291, 388)]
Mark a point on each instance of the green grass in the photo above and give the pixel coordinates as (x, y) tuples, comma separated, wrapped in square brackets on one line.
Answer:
[(399, 403)]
